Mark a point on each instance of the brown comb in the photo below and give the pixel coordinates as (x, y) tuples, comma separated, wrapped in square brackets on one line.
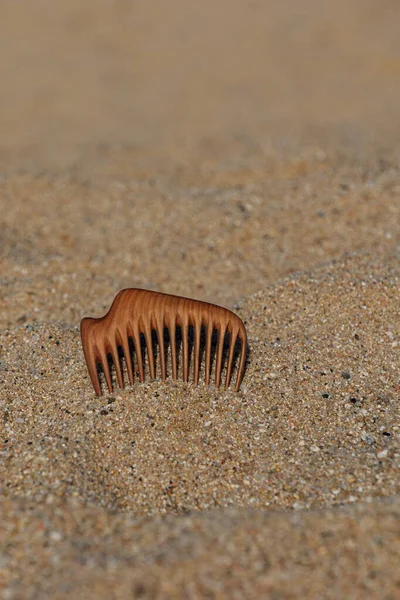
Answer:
[(136, 313)]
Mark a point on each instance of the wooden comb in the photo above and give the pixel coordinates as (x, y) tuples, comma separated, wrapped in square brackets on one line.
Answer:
[(130, 324)]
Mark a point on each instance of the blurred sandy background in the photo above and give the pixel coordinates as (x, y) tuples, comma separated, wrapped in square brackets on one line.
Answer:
[(242, 152)]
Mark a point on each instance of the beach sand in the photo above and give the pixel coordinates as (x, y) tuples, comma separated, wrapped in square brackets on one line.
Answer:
[(241, 153)]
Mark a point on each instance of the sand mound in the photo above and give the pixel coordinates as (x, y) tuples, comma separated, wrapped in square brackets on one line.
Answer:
[(316, 425)]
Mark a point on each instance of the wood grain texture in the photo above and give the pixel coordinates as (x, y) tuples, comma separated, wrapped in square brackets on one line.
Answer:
[(130, 324)]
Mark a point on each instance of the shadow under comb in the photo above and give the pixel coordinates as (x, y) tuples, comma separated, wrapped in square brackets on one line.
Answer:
[(142, 318)]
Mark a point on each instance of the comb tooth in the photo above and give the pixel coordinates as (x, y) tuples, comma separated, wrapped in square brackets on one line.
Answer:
[(106, 370), (149, 344), (160, 335), (218, 366), (95, 380), (128, 360), (117, 364), (185, 340), (172, 336), (208, 353), (91, 352), (197, 333), (138, 351), (243, 341), (232, 343), (91, 362)]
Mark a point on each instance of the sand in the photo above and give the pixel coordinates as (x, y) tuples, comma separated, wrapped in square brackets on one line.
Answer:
[(244, 154)]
